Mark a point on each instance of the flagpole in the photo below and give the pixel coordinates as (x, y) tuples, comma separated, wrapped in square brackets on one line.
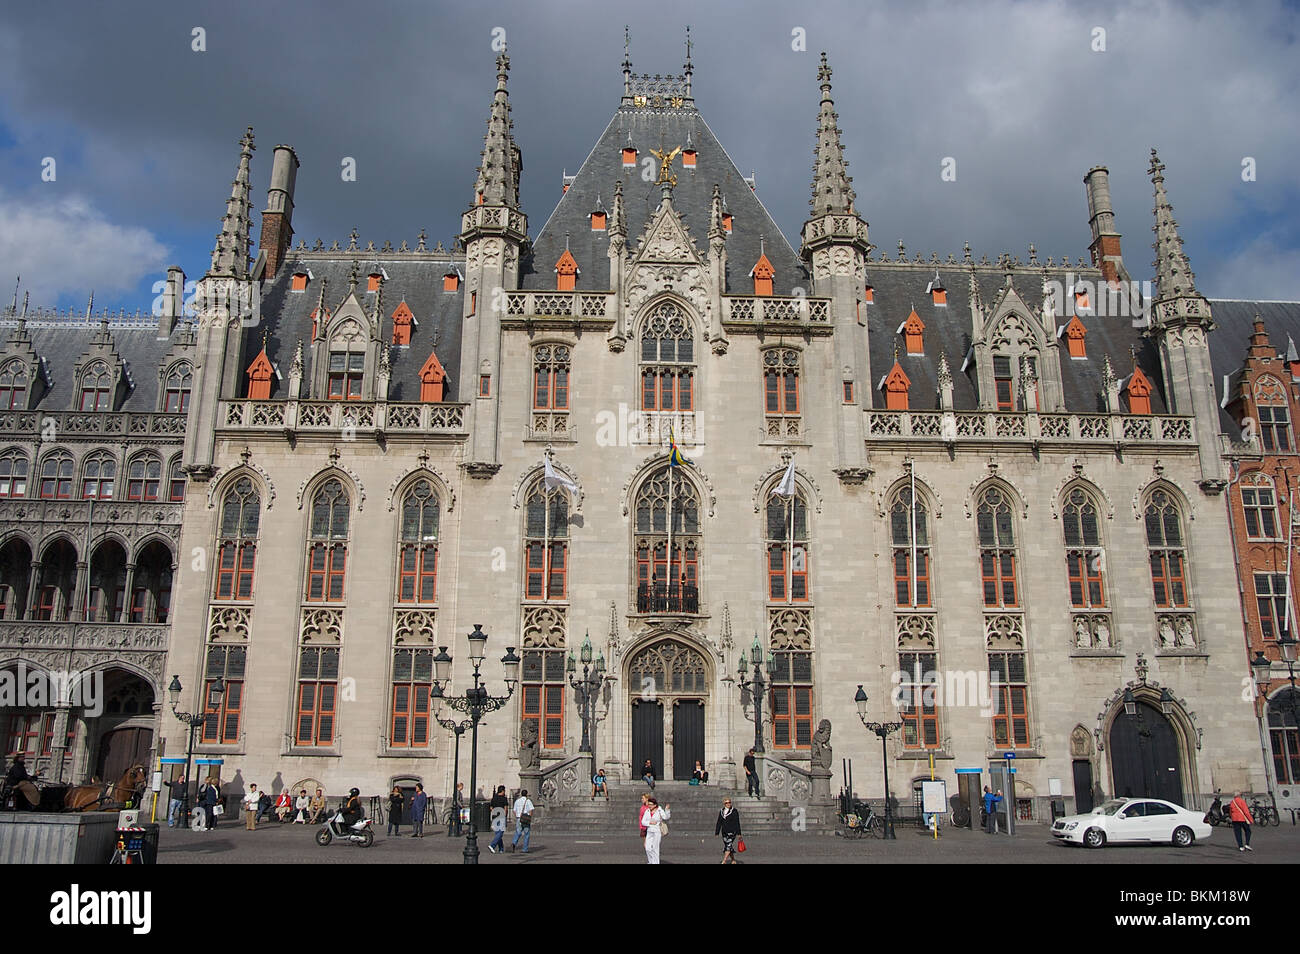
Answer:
[(789, 556), (669, 589), (546, 544), (911, 470)]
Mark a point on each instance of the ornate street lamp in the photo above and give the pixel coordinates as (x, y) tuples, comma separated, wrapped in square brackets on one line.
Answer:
[(193, 720), (438, 700), (883, 731), (756, 686), (475, 703), (586, 688)]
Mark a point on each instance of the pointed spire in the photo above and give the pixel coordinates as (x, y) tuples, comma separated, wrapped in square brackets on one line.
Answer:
[(944, 374), (1173, 272), (617, 215), (230, 254), (627, 66), (831, 192), (498, 175), (717, 231), (688, 69), (296, 367)]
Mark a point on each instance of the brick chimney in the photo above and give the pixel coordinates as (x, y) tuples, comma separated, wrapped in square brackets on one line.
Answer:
[(1105, 248), (277, 220)]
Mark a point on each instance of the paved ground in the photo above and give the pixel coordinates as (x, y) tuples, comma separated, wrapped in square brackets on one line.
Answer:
[(294, 844)]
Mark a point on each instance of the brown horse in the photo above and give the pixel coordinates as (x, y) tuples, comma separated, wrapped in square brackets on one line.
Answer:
[(103, 796)]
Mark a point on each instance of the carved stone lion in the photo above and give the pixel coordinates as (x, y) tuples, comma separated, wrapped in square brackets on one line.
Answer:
[(821, 746), (528, 755)]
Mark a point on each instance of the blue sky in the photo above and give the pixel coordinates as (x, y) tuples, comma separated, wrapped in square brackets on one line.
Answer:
[(143, 128)]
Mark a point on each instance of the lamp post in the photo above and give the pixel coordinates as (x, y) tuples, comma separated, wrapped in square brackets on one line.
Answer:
[(193, 720), (458, 728), (882, 730), (1262, 667), (756, 687), (475, 703), (585, 688)]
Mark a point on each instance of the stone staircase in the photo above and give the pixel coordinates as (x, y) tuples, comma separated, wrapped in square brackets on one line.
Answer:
[(694, 810)]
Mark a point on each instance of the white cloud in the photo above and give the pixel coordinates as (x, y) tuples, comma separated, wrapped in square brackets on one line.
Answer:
[(1264, 271), (63, 248)]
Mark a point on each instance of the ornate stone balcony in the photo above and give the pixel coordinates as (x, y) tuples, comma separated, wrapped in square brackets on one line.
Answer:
[(1031, 428), (343, 417), (753, 312), (83, 646), (552, 304), (71, 425), (27, 514)]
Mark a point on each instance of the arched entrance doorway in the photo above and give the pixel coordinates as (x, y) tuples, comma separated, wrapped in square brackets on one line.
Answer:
[(669, 685), (125, 728), (1145, 755)]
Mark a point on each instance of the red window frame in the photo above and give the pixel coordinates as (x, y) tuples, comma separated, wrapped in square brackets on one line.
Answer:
[(94, 399), (920, 719), (345, 382), (903, 582), (543, 696), (47, 599), (236, 561), (326, 569), (59, 485), (780, 392), (13, 398), (661, 389), (412, 715), (317, 700), (998, 574), (175, 483), (13, 483), (1169, 579), (792, 717), (417, 573), (1011, 721), (143, 488), (536, 558), (1087, 591), (776, 553), (551, 388), (221, 722), (176, 400)]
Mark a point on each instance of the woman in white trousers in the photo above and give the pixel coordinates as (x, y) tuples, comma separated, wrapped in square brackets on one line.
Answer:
[(653, 816)]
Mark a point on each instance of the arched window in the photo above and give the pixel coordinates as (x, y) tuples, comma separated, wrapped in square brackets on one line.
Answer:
[(175, 481), (787, 548), (1165, 548), (546, 544), (56, 476), (347, 363), (667, 582), (327, 546), (667, 361), (780, 381), (96, 388), (143, 477), (237, 543), (13, 387), (1271, 404), (417, 580), (1014, 349), (176, 388), (1285, 735), (57, 583), (151, 589), (13, 473), (911, 548), (997, 549), (551, 377), (1259, 506), (1084, 558), (97, 476)]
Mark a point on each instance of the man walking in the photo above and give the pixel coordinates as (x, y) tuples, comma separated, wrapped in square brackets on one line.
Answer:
[(523, 819), (419, 801), (751, 775), (174, 804), (991, 802)]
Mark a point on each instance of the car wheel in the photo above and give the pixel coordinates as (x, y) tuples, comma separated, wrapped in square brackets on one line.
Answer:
[(1094, 838), (1183, 836)]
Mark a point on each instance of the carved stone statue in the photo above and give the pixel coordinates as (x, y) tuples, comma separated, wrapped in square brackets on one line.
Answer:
[(1103, 634), (1081, 637), (1185, 638), (1166, 634), (821, 747), (528, 754)]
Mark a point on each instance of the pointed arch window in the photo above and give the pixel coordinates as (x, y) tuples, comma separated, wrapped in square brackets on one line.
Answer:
[(997, 542), (56, 476), (175, 481), (14, 385), (1284, 732), (668, 574), (13, 473), (418, 550), (347, 363), (237, 543), (667, 361), (787, 549), (1272, 409), (144, 477), (1085, 559), (780, 382), (96, 388), (1166, 550), (97, 476), (546, 543), (551, 377), (327, 543), (910, 535), (176, 391)]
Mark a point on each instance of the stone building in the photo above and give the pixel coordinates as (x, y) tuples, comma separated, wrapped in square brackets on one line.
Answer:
[(1007, 509)]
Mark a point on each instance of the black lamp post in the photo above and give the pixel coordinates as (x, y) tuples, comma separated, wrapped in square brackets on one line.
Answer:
[(475, 703), (193, 720), (756, 686), (882, 730), (1262, 667), (451, 725), (585, 689)]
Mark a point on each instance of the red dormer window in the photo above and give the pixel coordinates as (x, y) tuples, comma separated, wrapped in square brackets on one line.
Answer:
[(868, 294), (939, 296), (762, 273), (1139, 393), (451, 281), (566, 272), (373, 280), (688, 159), (1074, 335), (402, 322), (913, 333), (598, 221), (259, 377), (1081, 301), (299, 282), (896, 386), (629, 155), (432, 379), (726, 221)]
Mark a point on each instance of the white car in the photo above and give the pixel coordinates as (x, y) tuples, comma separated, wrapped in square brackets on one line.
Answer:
[(1128, 820)]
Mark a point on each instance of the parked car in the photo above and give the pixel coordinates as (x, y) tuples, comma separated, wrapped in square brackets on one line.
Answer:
[(1134, 820)]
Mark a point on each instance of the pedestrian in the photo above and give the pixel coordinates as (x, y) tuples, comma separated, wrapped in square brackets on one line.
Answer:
[(419, 802), (1242, 819), (318, 807), (301, 804), (251, 801), (523, 819), (648, 774), (640, 815), (497, 813), (656, 826), (751, 776), (283, 805), (20, 781), (599, 785), (990, 810), (209, 801), (264, 806), (395, 812), (728, 827), (457, 805), (700, 775), (177, 786)]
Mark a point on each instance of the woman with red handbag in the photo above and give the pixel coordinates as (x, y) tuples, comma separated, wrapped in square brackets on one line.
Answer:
[(728, 827)]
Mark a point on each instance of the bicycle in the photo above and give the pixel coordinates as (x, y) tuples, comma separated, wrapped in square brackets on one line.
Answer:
[(863, 822), (1265, 814)]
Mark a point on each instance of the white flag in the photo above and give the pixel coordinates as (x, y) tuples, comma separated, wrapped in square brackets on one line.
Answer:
[(555, 479), (786, 487)]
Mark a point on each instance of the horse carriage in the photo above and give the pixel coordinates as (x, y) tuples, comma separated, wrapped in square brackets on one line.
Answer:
[(95, 796)]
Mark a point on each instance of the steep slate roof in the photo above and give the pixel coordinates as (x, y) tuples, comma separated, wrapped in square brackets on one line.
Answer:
[(60, 344), (662, 129), (898, 288), (413, 277), (1235, 323)]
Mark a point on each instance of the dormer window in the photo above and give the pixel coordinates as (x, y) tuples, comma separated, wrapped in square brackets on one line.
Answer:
[(1081, 301), (762, 273), (629, 156), (939, 296), (1074, 335), (1004, 384), (451, 281), (1139, 393), (402, 322), (913, 331), (726, 221), (688, 158), (176, 391), (598, 221), (566, 271), (432, 379), (373, 280), (13, 387), (868, 294), (346, 372), (96, 388), (259, 377), (896, 384), (299, 282)]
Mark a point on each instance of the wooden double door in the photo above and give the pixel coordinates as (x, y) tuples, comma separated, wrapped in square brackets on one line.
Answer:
[(687, 736)]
